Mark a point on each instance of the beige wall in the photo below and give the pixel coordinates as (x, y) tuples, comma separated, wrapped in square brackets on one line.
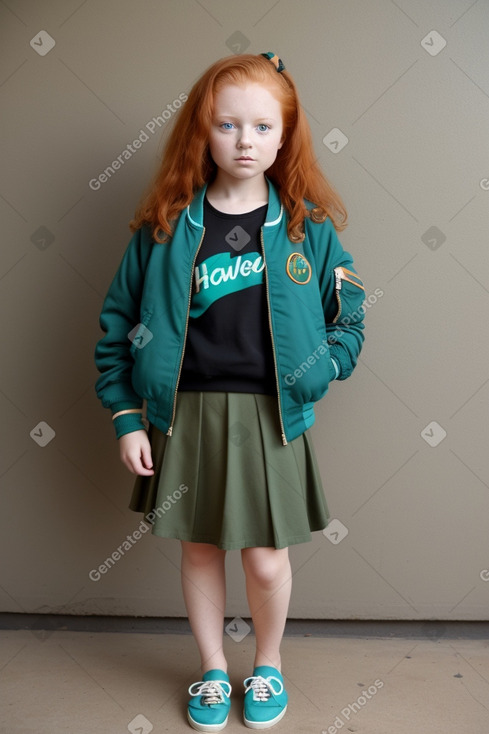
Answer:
[(415, 177)]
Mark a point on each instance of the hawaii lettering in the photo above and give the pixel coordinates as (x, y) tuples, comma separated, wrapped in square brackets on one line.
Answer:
[(237, 267), (221, 275)]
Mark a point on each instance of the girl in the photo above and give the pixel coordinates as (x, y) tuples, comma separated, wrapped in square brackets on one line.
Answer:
[(233, 308)]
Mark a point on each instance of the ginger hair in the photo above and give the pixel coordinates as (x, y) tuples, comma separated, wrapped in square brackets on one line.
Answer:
[(186, 163)]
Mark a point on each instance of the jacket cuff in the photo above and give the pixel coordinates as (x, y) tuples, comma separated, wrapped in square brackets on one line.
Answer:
[(343, 361), (124, 405), (128, 423)]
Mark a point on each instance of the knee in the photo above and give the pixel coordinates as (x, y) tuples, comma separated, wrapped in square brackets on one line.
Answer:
[(201, 554), (266, 566)]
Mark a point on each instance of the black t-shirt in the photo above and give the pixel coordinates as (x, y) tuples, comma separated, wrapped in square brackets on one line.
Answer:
[(229, 346)]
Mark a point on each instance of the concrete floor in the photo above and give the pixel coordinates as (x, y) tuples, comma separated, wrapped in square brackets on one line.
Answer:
[(112, 683)]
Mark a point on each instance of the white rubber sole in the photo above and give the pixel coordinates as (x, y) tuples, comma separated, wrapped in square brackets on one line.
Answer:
[(264, 724), (206, 727)]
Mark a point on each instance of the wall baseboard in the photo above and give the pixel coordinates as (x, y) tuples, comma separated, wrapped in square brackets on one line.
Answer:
[(418, 629)]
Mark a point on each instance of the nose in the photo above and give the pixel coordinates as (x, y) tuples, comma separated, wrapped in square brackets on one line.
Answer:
[(244, 139)]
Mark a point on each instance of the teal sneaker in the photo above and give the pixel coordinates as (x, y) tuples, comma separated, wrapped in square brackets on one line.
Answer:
[(208, 709), (265, 700)]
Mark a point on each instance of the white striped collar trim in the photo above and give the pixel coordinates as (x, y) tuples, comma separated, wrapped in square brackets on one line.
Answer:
[(276, 221), (192, 220), (267, 224)]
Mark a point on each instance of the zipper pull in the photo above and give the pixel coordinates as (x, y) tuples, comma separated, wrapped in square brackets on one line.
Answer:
[(284, 440), (338, 274), (169, 431)]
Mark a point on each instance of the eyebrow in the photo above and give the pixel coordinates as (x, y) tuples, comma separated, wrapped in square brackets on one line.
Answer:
[(233, 118)]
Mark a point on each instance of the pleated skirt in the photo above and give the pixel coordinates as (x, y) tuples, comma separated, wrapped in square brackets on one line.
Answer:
[(224, 477)]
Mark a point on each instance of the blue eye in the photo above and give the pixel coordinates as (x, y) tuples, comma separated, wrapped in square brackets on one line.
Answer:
[(263, 128), (227, 125)]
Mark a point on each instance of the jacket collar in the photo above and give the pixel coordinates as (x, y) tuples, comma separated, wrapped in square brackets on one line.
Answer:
[(195, 210)]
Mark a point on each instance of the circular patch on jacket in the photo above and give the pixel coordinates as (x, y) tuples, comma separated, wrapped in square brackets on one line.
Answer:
[(298, 268)]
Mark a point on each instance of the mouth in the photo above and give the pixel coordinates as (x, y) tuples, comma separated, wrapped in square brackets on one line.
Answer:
[(245, 158)]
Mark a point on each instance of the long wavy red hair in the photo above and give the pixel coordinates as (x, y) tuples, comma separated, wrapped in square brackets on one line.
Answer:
[(186, 162)]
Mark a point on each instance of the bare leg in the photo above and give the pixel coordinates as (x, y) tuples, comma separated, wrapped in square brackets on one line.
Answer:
[(268, 587), (204, 592)]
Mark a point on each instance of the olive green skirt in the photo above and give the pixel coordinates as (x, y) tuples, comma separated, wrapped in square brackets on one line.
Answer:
[(224, 477)]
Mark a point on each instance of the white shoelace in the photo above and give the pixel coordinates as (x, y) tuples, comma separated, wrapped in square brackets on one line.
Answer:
[(262, 687), (212, 691)]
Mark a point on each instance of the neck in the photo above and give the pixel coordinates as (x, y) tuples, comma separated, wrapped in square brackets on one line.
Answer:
[(229, 191)]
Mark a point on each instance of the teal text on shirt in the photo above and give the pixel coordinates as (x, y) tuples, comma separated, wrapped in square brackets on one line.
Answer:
[(221, 275)]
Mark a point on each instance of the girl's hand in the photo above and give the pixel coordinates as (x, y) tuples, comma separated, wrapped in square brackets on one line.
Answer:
[(135, 453)]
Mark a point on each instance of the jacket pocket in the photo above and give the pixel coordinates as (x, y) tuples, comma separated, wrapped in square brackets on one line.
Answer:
[(350, 292)]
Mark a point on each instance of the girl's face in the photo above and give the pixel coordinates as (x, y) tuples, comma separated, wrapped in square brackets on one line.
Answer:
[(246, 131)]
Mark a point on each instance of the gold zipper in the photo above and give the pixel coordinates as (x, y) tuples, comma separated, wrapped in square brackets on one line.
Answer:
[(170, 429), (284, 440), (337, 278), (339, 275)]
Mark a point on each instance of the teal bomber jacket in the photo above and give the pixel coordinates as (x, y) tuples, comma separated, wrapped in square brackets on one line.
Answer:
[(315, 312)]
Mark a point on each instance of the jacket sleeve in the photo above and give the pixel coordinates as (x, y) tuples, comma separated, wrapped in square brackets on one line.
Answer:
[(342, 295), (120, 314)]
